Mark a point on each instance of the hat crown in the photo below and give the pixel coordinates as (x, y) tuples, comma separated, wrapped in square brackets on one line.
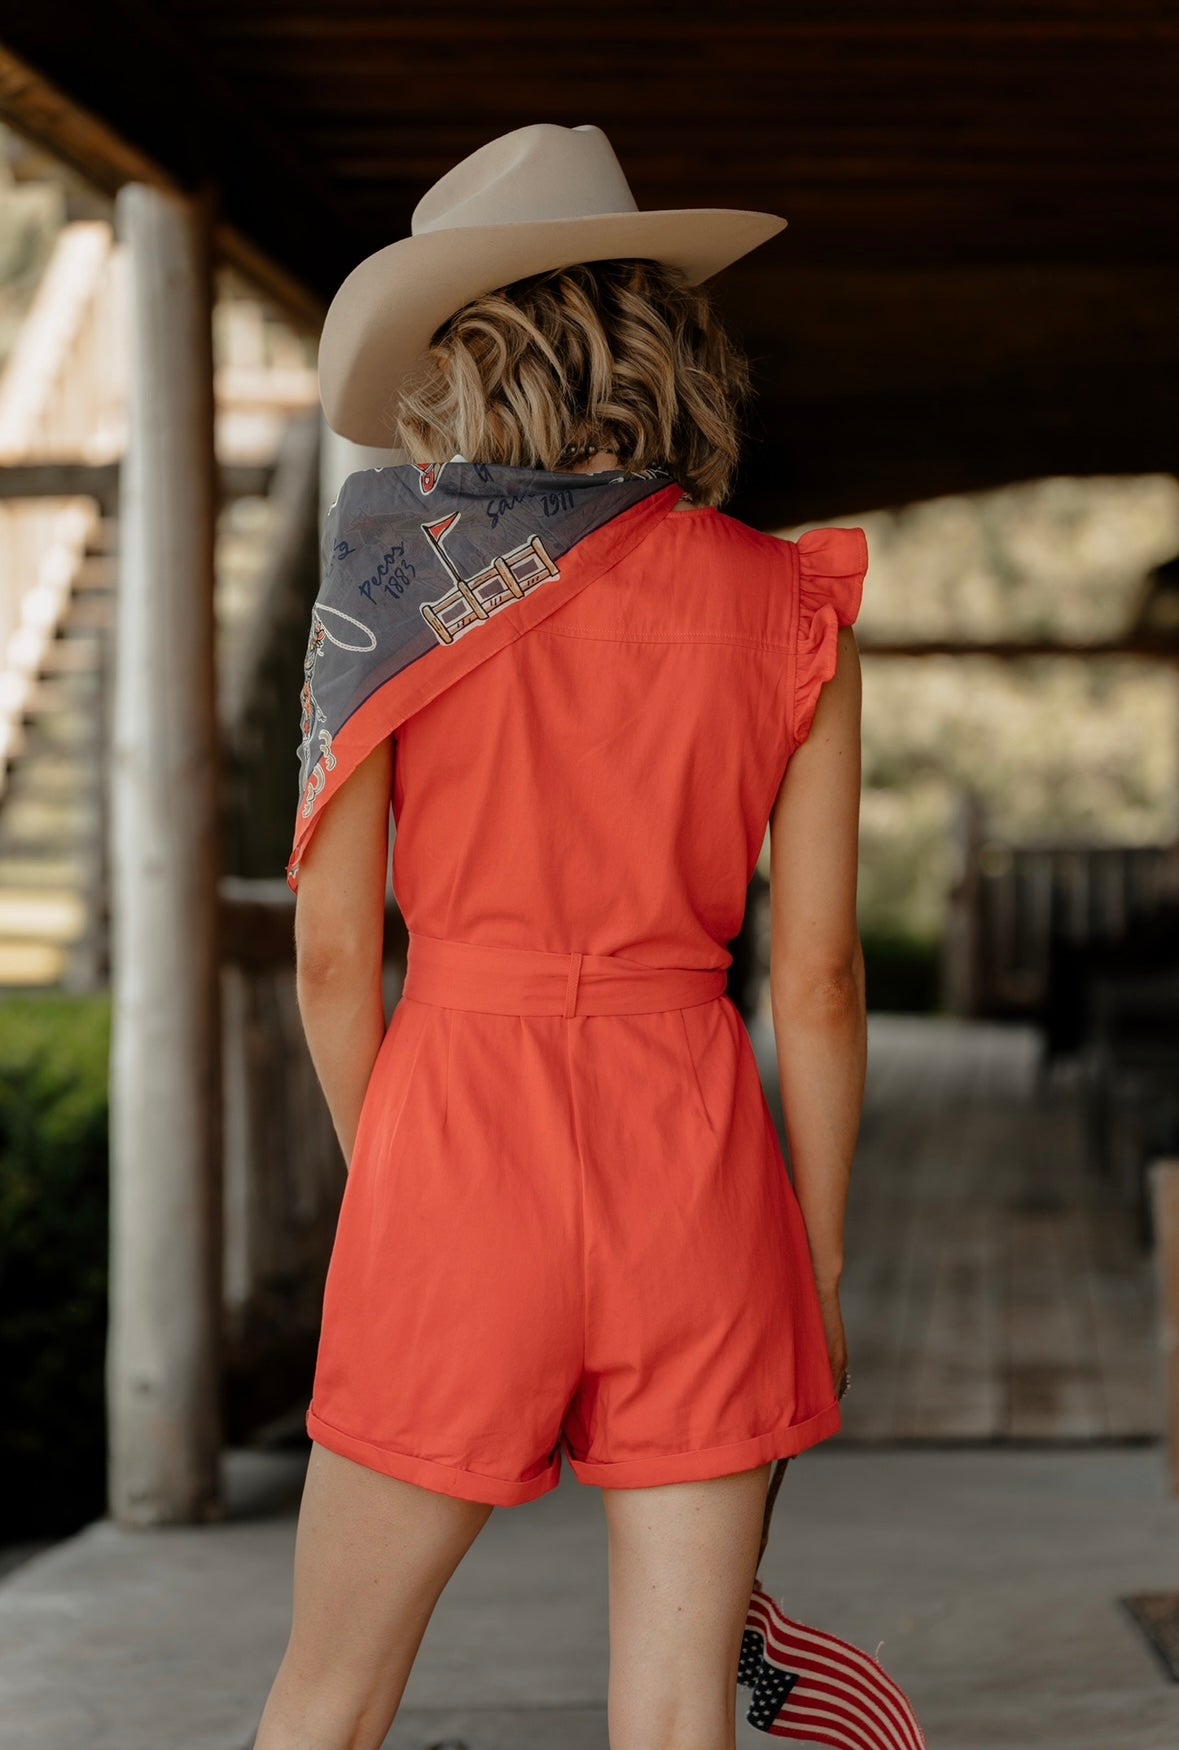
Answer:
[(539, 172)]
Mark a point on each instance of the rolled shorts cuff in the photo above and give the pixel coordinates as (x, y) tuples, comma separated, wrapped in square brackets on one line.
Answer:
[(712, 1461), (444, 1479)]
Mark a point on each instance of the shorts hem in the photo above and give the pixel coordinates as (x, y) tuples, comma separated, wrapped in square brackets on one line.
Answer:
[(713, 1461), (444, 1479)]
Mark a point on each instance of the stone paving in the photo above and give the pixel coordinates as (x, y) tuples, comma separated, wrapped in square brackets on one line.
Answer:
[(987, 1579)]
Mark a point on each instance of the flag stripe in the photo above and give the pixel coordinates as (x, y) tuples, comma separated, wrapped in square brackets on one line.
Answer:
[(813, 1693), (784, 1635), (839, 1704), (853, 1718), (888, 1731), (834, 1674), (891, 1732), (819, 1728), (784, 1630)]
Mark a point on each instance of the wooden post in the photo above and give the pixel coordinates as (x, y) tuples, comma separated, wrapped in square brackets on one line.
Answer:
[(339, 457), (1164, 1193), (163, 1350)]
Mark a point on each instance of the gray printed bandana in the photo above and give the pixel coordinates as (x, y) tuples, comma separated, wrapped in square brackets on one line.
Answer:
[(426, 570)]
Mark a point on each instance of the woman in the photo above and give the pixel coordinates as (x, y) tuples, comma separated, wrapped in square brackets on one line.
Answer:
[(587, 692)]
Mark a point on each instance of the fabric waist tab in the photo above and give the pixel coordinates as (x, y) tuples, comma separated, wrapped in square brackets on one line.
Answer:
[(534, 981)]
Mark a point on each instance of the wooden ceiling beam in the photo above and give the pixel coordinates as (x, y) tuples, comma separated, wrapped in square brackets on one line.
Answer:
[(814, 457), (873, 330), (178, 128), (912, 28), (1049, 135), (978, 277)]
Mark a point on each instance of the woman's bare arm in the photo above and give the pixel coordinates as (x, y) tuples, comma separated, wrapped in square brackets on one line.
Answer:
[(339, 939), (817, 965)]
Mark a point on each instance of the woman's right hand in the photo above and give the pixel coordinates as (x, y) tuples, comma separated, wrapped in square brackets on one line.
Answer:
[(836, 1339)]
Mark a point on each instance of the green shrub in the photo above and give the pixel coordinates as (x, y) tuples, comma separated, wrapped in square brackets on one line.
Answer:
[(54, 1058)]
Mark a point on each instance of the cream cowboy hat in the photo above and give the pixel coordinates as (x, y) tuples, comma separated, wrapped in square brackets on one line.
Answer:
[(540, 197)]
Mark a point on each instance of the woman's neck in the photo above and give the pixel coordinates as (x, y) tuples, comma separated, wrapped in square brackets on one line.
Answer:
[(599, 463)]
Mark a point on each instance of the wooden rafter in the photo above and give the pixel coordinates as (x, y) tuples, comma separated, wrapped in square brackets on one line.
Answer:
[(978, 278), (81, 139)]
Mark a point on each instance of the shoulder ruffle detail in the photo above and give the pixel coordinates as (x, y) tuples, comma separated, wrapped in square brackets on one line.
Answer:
[(831, 567)]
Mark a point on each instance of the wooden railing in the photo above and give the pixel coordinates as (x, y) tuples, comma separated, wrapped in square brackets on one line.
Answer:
[(63, 412), (61, 399), (283, 1171), (261, 667), (1164, 1191), (1012, 902), (63, 394)]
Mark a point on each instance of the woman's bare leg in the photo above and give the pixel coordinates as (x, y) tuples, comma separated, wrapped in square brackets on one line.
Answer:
[(682, 1562), (372, 1556)]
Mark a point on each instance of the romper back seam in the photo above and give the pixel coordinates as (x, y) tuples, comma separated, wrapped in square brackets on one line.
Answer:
[(735, 638)]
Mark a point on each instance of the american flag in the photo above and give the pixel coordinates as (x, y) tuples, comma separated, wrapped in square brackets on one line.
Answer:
[(809, 1685)]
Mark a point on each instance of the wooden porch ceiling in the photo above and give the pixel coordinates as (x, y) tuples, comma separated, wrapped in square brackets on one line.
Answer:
[(981, 270)]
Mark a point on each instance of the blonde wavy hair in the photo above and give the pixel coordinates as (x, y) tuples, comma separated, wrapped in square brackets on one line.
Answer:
[(623, 356)]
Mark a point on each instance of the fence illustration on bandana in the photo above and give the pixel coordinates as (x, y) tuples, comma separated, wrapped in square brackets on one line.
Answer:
[(505, 578)]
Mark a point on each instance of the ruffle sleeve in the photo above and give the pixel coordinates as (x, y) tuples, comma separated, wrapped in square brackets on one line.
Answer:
[(832, 564)]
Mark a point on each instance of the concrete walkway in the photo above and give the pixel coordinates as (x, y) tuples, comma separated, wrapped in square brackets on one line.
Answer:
[(987, 1578)]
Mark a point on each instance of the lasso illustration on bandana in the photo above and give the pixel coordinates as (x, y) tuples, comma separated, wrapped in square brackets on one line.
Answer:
[(313, 720)]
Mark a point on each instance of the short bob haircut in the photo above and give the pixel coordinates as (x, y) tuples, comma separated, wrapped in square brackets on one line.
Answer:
[(623, 356)]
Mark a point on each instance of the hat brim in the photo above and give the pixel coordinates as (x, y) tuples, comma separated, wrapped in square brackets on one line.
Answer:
[(382, 318)]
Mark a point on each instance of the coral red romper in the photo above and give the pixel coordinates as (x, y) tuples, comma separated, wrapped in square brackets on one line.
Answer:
[(568, 1218)]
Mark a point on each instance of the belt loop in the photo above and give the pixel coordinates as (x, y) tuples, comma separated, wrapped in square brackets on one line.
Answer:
[(571, 985)]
